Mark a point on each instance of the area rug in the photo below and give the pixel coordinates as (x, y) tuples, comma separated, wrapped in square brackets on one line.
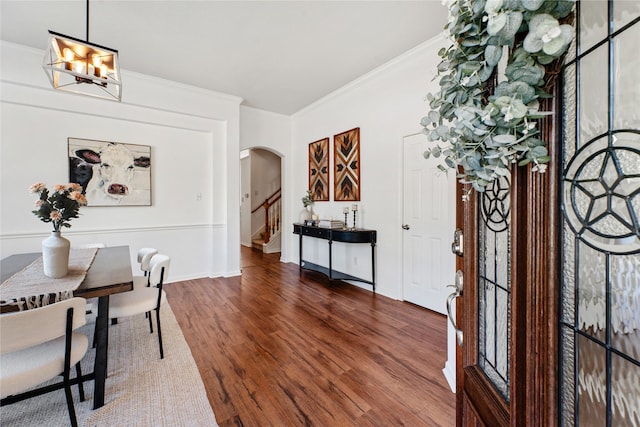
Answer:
[(141, 390)]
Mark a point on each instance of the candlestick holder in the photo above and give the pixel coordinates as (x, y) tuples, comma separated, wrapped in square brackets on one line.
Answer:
[(345, 221), (354, 219)]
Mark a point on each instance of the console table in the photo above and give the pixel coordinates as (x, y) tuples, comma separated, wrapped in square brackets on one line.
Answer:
[(337, 235)]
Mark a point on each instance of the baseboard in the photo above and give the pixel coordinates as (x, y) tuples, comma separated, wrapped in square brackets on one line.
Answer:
[(449, 372)]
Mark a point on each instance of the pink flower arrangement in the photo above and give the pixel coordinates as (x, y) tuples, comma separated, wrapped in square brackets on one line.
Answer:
[(60, 205)]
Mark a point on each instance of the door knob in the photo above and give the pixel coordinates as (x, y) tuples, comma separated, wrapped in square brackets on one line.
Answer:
[(450, 299), (456, 246), (405, 226)]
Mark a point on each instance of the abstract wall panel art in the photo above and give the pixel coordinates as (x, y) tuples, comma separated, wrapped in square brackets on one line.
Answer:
[(346, 157), (319, 170)]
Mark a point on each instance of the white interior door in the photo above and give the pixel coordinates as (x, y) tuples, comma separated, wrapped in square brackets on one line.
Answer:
[(429, 213)]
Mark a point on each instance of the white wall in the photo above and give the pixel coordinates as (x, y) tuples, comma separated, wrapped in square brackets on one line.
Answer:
[(194, 139), (386, 105), (245, 198)]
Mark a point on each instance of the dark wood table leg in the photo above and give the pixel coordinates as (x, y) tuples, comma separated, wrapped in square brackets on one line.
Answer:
[(102, 338)]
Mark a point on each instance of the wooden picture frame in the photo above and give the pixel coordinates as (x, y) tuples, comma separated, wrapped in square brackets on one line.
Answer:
[(319, 170), (111, 173), (346, 159)]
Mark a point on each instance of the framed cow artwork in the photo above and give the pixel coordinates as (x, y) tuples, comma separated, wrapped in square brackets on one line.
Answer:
[(111, 173)]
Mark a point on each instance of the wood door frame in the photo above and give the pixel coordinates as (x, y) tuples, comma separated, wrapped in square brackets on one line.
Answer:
[(535, 286)]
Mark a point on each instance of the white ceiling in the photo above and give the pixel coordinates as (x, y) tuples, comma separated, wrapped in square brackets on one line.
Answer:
[(278, 56)]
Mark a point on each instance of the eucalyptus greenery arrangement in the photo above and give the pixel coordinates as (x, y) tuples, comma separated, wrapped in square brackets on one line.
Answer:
[(481, 124), (307, 199)]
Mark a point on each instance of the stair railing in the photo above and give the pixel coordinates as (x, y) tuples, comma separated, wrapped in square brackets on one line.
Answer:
[(273, 211)]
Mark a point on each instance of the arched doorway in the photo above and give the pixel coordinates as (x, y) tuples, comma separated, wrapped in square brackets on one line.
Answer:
[(261, 201)]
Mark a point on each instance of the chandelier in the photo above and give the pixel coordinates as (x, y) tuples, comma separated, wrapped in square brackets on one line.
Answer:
[(78, 66)]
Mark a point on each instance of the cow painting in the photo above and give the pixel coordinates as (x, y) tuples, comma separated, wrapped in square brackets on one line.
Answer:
[(111, 173)]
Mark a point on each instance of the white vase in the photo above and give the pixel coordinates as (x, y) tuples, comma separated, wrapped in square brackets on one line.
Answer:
[(305, 214), (55, 255)]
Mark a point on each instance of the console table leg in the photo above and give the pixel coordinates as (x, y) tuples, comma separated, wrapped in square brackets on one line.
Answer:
[(373, 266), (330, 260), (300, 253)]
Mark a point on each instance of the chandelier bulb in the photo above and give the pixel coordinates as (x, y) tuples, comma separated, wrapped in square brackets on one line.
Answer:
[(68, 54), (79, 67), (97, 62), (68, 58)]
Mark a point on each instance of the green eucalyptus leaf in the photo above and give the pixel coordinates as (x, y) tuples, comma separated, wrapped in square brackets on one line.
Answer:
[(485, 72), (563, 8), (470, 67), (478, 6), (532, 43), (532, 4), (496, 23), (442, 131), (513, 20), (473, 163), (493, 6), (449, 162), (539, 151), (545, 59), (471, 41), (504, 139), (493, 54), (479, 186), (484, 175), (443, 66)]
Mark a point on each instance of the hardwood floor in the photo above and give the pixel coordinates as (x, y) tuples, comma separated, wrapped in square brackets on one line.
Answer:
[(276, 347)]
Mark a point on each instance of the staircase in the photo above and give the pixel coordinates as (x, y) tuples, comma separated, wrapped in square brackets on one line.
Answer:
[(273, 245), (259, 242), (267, 239)]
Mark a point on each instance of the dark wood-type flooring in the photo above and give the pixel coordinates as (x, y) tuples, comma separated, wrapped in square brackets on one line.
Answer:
[(279, 348)]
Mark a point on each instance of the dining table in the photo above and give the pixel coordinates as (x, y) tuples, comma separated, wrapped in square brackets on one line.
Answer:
[(110, 273)]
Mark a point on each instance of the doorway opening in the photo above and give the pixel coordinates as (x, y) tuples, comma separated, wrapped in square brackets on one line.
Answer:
[(261, 200)]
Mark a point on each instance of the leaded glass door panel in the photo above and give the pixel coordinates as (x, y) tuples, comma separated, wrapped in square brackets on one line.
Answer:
[(600, 299)]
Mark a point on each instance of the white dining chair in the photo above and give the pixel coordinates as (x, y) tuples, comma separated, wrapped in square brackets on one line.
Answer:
[(144, 299), (39, 344), (144, 259)]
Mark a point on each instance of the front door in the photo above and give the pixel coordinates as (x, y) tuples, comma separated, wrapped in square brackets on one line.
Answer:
[(551, 261), (429, 222), (507, 364), (507, 313)]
